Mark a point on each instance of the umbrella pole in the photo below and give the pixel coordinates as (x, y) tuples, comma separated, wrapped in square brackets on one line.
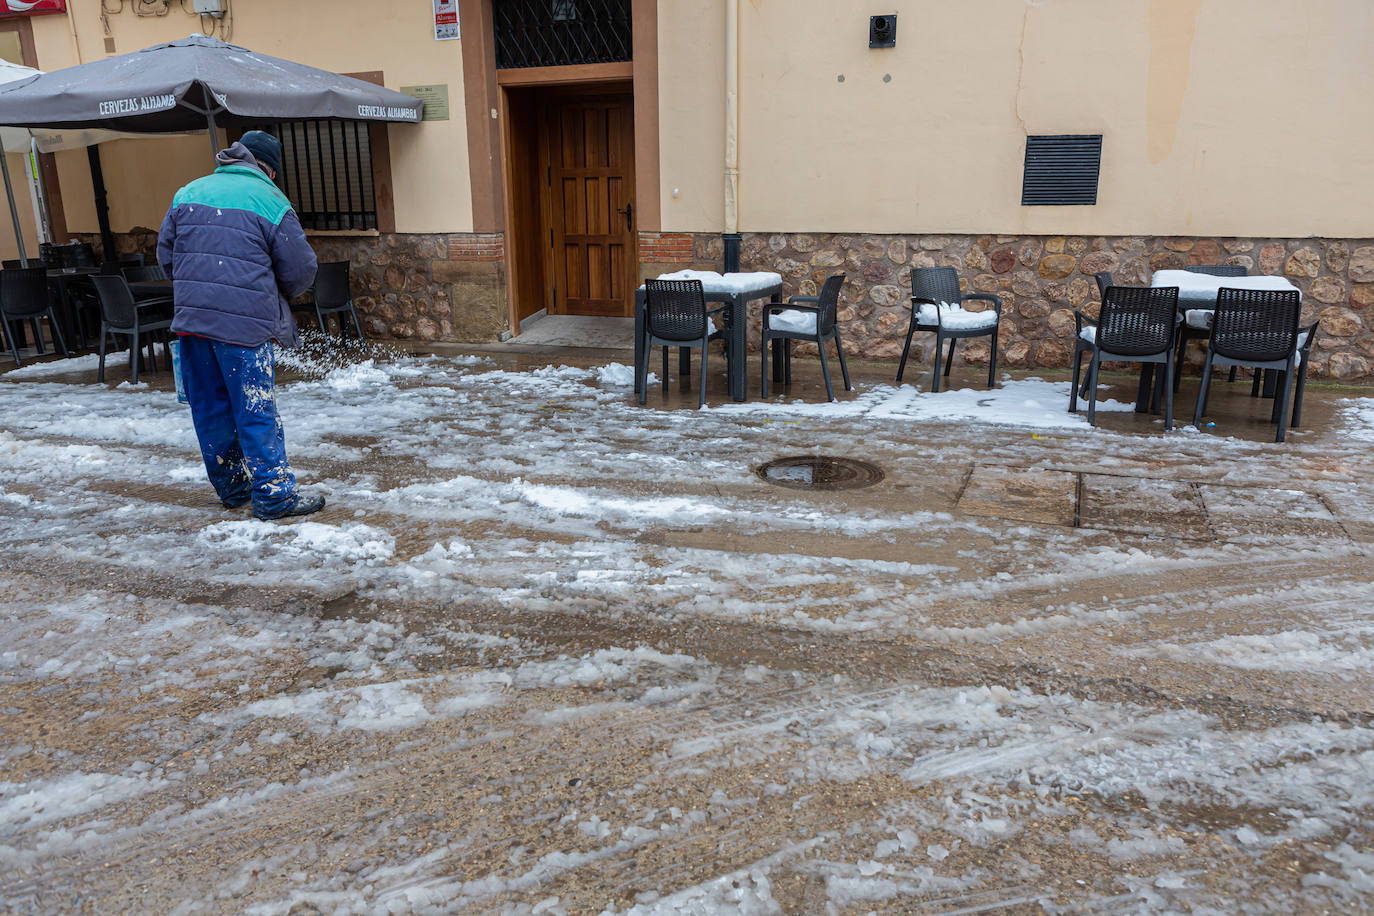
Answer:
[(14, 212), (102, 204), (214, 136)]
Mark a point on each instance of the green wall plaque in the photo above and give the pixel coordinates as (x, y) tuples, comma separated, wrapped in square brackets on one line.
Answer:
[(435, 99)]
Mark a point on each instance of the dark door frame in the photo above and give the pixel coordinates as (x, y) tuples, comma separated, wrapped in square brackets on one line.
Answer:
[(488, 131)]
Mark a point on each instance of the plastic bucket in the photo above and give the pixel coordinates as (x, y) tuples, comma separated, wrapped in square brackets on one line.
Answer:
[(176, 371)]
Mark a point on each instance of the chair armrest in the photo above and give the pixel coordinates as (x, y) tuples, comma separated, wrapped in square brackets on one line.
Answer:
[(159, 300), (792, 306), (796, 299), (985, 297), (1079, 319), (1311, 332)]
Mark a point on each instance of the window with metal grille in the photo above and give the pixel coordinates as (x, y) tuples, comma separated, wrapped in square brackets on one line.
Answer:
[(1061, 170), (556, 33), (326, 172)]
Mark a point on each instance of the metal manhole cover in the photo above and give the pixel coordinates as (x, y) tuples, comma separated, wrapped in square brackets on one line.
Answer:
[(820, 472)]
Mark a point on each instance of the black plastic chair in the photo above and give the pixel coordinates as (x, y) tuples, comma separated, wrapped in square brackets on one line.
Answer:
[(1258, 328), (24, 295), (676, 315), (141, 273), (332, 296), (797, 320), (1104, 280), (931, 286), (1198, 326), (1136, 325), (121, 315), (118, 265)]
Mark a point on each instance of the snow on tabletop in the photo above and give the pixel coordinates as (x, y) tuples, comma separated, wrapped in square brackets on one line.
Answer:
[(713, 282), (1189, 282)]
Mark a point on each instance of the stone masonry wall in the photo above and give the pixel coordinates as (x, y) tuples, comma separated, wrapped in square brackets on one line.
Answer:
[(1042, 279), (453, 286)]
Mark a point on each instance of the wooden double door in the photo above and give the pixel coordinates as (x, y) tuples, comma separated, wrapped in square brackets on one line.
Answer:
[(587, 158)]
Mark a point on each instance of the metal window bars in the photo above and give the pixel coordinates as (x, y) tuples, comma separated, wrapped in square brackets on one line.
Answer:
[(326, 172), (553, 33)]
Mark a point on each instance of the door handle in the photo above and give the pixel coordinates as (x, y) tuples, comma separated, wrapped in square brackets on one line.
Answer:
[(628, 213)]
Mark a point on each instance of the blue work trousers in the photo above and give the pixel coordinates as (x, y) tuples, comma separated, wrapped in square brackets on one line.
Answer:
[(234, 409)]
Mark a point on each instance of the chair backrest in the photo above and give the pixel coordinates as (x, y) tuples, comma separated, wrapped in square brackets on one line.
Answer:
[(675, 309), (11, 263), (133, 259), (829, 303), (141, 274), (24, 291), (1256, 325), (1137, 320), (1218, 270), (939, 284), (116, 301), (83, 255), (1104, 280), (331, 285)]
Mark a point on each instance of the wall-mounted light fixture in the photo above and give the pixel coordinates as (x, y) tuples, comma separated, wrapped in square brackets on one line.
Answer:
[(882, 31)]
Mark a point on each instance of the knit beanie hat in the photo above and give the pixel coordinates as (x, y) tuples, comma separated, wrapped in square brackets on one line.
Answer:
[(264, 147)]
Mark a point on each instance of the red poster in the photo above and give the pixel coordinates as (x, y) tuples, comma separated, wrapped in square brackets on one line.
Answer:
[(31, 7)]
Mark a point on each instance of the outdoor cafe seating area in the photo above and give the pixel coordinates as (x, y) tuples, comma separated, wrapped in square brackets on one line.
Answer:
[(1242, 321), (81, 304), (65, 302)]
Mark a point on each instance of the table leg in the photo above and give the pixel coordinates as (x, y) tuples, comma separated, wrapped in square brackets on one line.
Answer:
[(641, 358), (739, 341), (1145, 388)]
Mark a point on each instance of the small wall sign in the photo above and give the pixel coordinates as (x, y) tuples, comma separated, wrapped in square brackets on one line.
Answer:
[(445, 21)]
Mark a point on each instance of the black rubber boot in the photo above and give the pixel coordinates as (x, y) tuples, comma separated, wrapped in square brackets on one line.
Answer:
[(305, 505)]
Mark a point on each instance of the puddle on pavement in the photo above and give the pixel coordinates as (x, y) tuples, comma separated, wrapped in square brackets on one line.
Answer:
[(820, 472)]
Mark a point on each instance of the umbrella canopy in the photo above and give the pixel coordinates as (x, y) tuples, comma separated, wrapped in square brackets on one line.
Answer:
[(16, 139), (177, 86)]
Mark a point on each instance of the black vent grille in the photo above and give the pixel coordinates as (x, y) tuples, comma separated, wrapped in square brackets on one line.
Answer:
[(1062, 170), (556, 33)]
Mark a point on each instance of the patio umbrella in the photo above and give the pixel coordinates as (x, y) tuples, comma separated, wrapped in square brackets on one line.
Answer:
[(194, 83), (17, 139)]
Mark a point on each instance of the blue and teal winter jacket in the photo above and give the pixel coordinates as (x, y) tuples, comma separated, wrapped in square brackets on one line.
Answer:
[(236, 253)]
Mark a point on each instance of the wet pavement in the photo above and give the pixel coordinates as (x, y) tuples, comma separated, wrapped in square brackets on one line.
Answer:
[(547, 651)]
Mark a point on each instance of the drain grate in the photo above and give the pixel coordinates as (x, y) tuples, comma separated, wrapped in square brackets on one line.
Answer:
[(820, 472)]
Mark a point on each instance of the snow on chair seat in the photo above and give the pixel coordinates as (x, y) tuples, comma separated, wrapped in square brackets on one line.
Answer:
[(954, 317), (793, 321)]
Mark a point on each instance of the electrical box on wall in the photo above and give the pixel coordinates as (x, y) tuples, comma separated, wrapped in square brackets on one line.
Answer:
[(211, 7)]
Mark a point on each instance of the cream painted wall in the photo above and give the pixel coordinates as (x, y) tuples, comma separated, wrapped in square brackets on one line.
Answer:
[(1220, 117), (429, 160), (23, 204), (691, 104)]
